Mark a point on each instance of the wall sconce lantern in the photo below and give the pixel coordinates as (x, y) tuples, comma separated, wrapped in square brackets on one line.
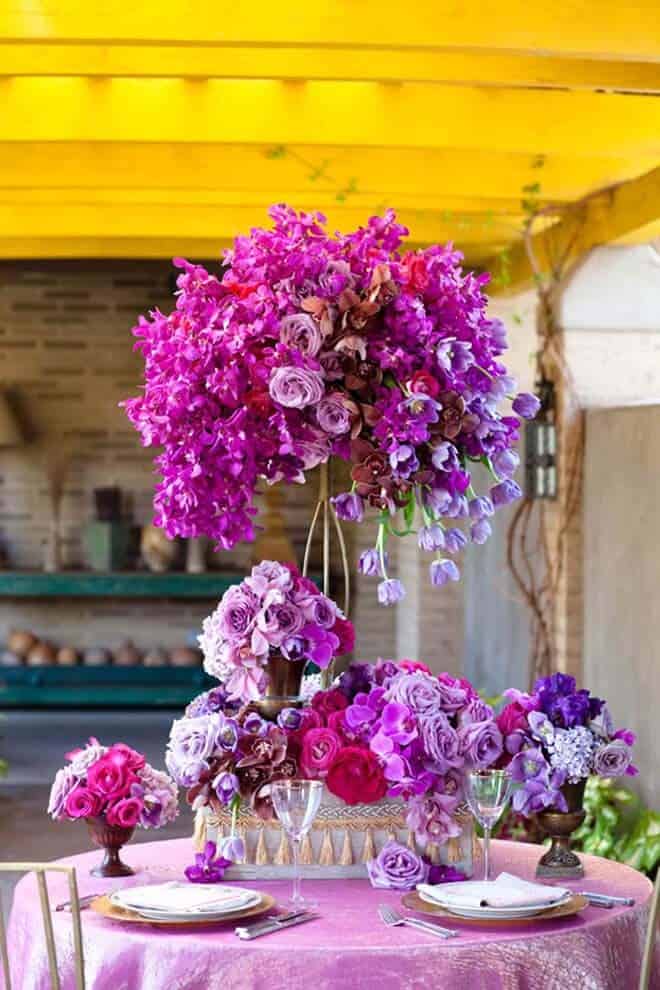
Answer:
[(541, 446)]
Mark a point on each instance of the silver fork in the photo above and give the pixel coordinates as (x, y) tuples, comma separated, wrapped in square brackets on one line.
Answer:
[(391, 918)]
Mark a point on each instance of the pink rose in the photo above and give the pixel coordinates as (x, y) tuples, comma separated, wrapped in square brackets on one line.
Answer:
[(125, 813), (355, 776), (120, 752), (319, 748), (412, 665), (512, 719), (327, 702), (82, 803), (344, 630), (110, 777)]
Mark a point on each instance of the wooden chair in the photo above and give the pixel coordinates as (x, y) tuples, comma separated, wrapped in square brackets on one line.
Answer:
[(651, 932), (40, 869)]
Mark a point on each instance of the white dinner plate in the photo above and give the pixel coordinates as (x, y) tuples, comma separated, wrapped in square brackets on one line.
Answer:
[(503, 913), (244, 899)]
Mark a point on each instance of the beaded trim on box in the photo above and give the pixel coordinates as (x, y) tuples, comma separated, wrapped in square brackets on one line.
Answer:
[(348, 835)]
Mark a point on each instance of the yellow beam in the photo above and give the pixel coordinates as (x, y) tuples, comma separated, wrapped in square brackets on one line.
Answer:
[(68, 220), (389, 175), (316, 63), (605, 28), (309, 199), (629, 212), (352, 113)]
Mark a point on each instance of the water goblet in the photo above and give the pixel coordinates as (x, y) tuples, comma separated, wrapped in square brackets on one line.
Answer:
[(296, 803), (487, 793)]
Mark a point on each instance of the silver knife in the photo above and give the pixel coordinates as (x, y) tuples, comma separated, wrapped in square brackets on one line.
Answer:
[(607, 900), (271, 919), (275, 926)]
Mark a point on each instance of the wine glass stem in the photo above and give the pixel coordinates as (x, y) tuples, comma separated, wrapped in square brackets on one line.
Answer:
[(295, 849), (486, 852)]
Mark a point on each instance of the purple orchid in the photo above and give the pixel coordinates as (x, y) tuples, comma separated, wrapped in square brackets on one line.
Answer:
[(207, 868)]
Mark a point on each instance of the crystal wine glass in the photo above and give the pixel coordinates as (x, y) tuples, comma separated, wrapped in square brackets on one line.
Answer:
[(487, 792), (296, 803)]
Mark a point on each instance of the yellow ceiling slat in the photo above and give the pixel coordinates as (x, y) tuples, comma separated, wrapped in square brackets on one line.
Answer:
[(316, 63), (389, 174), (605, 217), (600, 27), (309, 199), (169, 220), (257, 111)]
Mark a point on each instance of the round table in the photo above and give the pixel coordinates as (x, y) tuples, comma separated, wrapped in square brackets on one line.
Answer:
[(346, 948)]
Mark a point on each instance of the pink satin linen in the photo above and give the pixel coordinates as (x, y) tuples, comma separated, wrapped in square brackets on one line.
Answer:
[(347, 948)]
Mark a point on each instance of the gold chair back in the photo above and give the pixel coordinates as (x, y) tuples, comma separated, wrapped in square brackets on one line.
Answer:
[(40, 870), (651, 933)]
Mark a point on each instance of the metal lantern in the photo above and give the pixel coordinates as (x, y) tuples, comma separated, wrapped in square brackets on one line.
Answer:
[(541, 447)]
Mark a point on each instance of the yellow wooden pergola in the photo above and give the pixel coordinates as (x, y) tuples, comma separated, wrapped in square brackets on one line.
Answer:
[(157, 127)]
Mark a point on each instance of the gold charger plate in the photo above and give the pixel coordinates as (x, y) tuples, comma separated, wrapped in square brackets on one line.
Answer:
[(104, 906), (572, 906)]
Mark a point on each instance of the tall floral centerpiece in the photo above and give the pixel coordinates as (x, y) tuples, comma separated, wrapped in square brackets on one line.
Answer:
[(312, 346), (264, 632), (385, 732), (554, 740)]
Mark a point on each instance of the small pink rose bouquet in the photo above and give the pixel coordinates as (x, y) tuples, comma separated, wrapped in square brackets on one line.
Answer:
[(115, 782)]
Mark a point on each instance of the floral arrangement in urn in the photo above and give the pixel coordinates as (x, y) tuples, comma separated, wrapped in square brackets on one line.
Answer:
[(114, 789), (385, 729), (314, 346), (275, 612)]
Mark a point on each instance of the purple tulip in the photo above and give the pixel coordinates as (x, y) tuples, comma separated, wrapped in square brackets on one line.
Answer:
[(442, 571), (505, 463), (232, 847), (507, 491), (431, 538), (369, 563), (480, 508), (391, 591), (226, 786), (526, 405), (455, 540), (480, 531), (348, 507)]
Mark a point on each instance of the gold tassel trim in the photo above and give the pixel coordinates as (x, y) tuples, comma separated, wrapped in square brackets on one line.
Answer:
[(411, 843), (346, 858), (327, 854), (306, 851), (283, 854), (453, 850), (261, 852), (368, 850), (200, 832)]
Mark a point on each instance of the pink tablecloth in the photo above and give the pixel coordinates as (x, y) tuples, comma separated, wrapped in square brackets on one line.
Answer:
[(347, 948)]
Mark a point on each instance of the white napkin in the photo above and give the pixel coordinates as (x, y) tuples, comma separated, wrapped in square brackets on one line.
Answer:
[(507, 891), (177, 897)]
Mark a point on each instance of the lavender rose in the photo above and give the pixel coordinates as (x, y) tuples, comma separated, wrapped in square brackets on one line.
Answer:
[(192, 743), (64, 783), (421, 692), (441, 742), (279, 620), (236, 613), (481, 743), (334, 414), (301, 332), (296, 388), (612, 759), (397, 868)]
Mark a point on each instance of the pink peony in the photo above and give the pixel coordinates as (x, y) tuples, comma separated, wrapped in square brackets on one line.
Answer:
[(356, 777), (412, 665), (319, 749), (125, 813), (512, 719), (82, 803)]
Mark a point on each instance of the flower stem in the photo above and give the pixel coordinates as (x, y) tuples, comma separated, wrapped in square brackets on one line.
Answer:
[(380, 546)]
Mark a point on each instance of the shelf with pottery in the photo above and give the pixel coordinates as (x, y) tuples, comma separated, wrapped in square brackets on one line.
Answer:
[(115, 584)]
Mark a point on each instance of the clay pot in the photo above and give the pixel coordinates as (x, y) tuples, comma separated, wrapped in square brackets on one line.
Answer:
[(97, 656), (110, 838), (67, 657), (184, 656), (156, 658), (42, 655), (127, 655), (9, 659), (21, 641)]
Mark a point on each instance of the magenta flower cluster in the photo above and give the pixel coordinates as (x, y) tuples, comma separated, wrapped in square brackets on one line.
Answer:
[(274, 610), (312, 346), (114, 782), (559, 735)]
